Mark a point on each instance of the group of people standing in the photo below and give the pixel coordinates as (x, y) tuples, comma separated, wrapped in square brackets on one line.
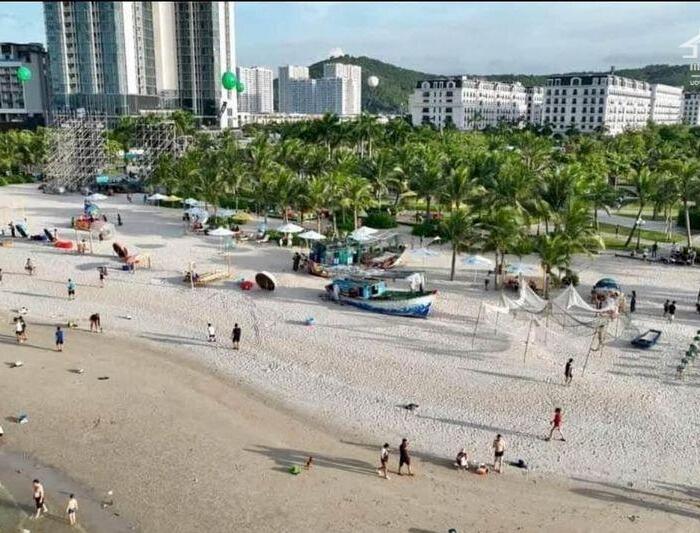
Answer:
[(235, 335), (41, 507)]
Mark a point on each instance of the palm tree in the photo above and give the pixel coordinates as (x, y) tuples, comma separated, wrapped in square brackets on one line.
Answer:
[(459, 228), (328, 128), (458, 186), (365, 128), (357, 196), (687, 178), (555, 252), (502, 228), (427, 174), (316, 197), (643, 182)]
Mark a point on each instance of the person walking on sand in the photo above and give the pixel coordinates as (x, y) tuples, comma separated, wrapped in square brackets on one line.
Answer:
[(71, 289), (672, 311), (39, 499), (499, 448), (59, 339), (667, 304), (19, 330), (654, 249), (236, 336), (383, 469), (569, 371), (556, 423), (0, 276), (211, 332), (119, 219), (29, 267), (404, 457), (72, 509), (633, 302)]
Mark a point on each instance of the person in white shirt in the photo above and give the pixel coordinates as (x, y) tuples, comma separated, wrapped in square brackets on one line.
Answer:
[(212, 333)]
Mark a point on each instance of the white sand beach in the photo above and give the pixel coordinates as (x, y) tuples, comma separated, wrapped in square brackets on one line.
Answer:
[(629, 423)]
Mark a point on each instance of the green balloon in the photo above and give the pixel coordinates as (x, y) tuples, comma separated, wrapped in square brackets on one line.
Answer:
[(24, 74), (228, 80), (240, 87)]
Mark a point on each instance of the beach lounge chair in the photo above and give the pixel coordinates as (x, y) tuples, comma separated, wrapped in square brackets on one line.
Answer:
[(207, 278), (49, 235)]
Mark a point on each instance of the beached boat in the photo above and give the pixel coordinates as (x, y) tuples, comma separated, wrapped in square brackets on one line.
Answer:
[(381, 252), (372, 294), (647, 339)]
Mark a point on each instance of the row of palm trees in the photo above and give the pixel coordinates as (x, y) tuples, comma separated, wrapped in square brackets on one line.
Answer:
[(21, 154), (504, 190)]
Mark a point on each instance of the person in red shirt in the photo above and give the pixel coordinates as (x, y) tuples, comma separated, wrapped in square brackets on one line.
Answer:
[(556, 424)]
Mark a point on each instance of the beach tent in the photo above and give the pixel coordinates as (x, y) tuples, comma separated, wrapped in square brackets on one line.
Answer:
[(220, 232), (172, 198), (191, 201)]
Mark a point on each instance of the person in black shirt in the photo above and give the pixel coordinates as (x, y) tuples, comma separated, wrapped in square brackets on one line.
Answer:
[(236, 336), (569, 371)]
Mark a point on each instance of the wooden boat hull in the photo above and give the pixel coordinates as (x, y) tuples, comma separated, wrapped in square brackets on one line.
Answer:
[(416, 307)]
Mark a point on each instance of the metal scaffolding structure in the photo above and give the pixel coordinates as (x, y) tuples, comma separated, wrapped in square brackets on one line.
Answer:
[(76, 151), (153, 140)]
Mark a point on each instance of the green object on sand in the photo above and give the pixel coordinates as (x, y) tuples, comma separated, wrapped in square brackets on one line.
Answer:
[(295, 469)]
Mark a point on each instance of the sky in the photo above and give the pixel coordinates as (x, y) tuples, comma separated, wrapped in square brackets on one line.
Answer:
[(444, 37)]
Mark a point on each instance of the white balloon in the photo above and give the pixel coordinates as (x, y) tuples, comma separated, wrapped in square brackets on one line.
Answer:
[(372, 81)]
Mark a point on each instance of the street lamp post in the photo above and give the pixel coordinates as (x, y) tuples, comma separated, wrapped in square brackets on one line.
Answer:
[(639, 223)]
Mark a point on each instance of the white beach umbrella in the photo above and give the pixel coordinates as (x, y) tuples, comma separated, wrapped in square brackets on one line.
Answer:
[(311, 235), (95, 196), (363, 233), (289, 227), (190, 201), (523, 269), (225, 213), (157, 197), (477, 262), (423, 253), (220, 232)]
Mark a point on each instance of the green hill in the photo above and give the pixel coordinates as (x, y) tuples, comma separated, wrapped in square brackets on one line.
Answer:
[(396, 83)]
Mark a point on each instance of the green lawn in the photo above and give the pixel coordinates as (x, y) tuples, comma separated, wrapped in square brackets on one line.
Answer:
[(630, 211), (646, 235)]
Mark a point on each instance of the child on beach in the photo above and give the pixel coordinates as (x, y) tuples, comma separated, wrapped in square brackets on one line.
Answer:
[(39, 498), (499, 448), (102, 277), (462, 462), (212, 333), (384, 461), (672, 311), (95, 324), (29, 267), (556, 423), (667, 304), (59, 339), (72, 509), (71, 289)]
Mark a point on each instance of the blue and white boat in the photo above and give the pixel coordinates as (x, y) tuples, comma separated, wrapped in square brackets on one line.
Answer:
[(371, 294)]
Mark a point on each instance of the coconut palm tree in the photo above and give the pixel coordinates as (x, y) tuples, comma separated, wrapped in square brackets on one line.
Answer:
[(316, 197), (643, 183), (357, 196), (459, 185), (427, 173), (458, 227), (554, 250), (686, 174), (502, 228)]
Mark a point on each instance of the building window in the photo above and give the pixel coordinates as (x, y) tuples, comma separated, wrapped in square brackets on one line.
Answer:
[(563, 91), (426, 110), (556, 100), (600, 119), (573, 101), (449, 93), (556, 91), (448, 110), (600, 100), (600, 110), (426, 95)]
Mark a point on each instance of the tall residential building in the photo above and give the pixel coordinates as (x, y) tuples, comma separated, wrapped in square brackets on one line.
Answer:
[(338, 92), (534, 101), (124, 57), (257, 94), (24, 105), (102, 55), (352, 91), (205, 46), (691, 109), (609, 103), (284, 76), (467, 103)]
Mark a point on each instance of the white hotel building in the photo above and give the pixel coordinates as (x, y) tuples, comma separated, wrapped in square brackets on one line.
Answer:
[(691, 109), (535, 103), (338, 92), (467, 103), (608, 102)]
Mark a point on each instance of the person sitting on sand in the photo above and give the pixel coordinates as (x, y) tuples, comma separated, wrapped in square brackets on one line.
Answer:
[(462, 462), (72, 509)]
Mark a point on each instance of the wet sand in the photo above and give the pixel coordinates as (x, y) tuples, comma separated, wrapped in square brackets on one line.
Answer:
[(184, 449)]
